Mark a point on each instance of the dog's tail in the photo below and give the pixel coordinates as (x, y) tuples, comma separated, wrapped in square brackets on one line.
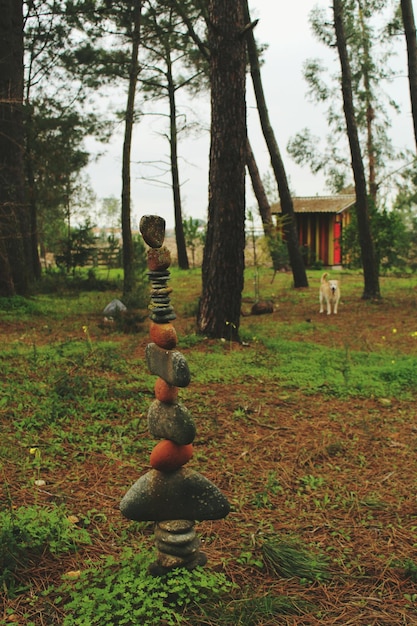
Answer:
[(323, 278)]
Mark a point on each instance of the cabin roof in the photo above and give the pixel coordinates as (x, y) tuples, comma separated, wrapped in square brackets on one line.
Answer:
[(319, 204)]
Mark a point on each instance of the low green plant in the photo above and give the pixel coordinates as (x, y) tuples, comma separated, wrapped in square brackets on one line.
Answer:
[(310, 482), (251, 558), (289, 558), (28, 532), (252, 611), (117, 592), (410, 570), (262, 498)]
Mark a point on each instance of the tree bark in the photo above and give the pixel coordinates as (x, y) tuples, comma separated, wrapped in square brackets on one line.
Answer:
[(223, 259), (31, 191), (410, 35), (287, 208), (259, 190), (369, 262), (370, 113), (173, 143), (14, 216), (128, 249)]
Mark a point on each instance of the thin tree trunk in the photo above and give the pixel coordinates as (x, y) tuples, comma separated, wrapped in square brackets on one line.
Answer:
[(289, 222), (410, 35), (173, 142), (223, 260), (259, 190), (37, 270), (369, 262), (370, 113), (128, 249), (14, 222)]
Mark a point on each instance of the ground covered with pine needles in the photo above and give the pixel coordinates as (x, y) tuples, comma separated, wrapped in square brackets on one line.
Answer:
[(308, 427)]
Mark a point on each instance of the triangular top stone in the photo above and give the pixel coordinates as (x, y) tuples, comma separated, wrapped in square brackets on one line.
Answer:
[(184, 494)]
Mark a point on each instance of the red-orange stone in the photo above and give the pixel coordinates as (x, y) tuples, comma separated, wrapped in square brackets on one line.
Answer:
[(164, 335), (164, 392), (168, 456), (159, 259)]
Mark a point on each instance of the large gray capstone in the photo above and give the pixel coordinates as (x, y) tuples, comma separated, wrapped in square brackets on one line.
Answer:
[(184, 494)]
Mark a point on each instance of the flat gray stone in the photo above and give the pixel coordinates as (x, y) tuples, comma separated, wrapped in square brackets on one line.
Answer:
[(170, 365), (167, 562), (183, 550), (152, 228), (184, 494), (176, 526), (113, 308), (171, 421), (175, 539)]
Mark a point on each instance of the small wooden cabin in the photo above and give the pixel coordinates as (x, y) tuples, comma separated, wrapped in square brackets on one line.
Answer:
[(320, 222)]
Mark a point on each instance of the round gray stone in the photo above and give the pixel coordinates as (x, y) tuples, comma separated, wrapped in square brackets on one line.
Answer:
[(171, 421)]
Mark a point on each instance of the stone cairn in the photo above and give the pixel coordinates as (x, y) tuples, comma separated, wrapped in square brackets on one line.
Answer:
[(170, 495)]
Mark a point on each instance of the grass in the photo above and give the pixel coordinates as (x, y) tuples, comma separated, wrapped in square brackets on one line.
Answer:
[(308, 429)]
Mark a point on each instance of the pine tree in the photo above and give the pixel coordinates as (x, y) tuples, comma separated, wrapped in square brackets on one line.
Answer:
[(223, 261)]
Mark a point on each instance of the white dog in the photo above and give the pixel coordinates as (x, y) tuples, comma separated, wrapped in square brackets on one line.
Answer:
[(329, 294)]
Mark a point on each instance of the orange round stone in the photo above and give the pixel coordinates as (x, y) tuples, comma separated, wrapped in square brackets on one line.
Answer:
[(164, 392), (168, 456), (159, 259), (164, 335)]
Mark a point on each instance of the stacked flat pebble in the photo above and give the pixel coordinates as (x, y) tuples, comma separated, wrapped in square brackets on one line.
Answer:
[(169, 494)]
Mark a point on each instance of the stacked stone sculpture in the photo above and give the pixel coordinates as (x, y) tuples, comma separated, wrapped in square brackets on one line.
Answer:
[(170, 494)]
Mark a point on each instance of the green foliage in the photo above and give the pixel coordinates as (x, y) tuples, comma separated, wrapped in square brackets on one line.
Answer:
[(82, 280), (123, 592), (18, 305), (370, 70), (278, 251), (289, 558), (139, 297), (250, 611), (392, 237), (410, 570), (262, 498), (75, 250), (28, 532), (194, 235)]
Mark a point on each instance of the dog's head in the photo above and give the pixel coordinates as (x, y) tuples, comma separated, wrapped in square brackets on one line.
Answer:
[(333, 286)]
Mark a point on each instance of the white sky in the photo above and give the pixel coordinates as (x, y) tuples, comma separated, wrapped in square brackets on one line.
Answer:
[(285, 28)]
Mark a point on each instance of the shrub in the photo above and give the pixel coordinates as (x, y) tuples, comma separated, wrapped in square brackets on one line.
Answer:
[(28, 532)]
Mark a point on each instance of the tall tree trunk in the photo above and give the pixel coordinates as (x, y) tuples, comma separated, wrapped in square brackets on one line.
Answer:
[(370, 113), (31, 184), (223, 259), (369, 262), (173, 142), (287, 207), (14, 218), (410, 35), (259, 190), (128, 249)]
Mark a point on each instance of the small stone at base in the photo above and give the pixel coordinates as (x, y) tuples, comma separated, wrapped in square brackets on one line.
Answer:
[(158, 569)]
